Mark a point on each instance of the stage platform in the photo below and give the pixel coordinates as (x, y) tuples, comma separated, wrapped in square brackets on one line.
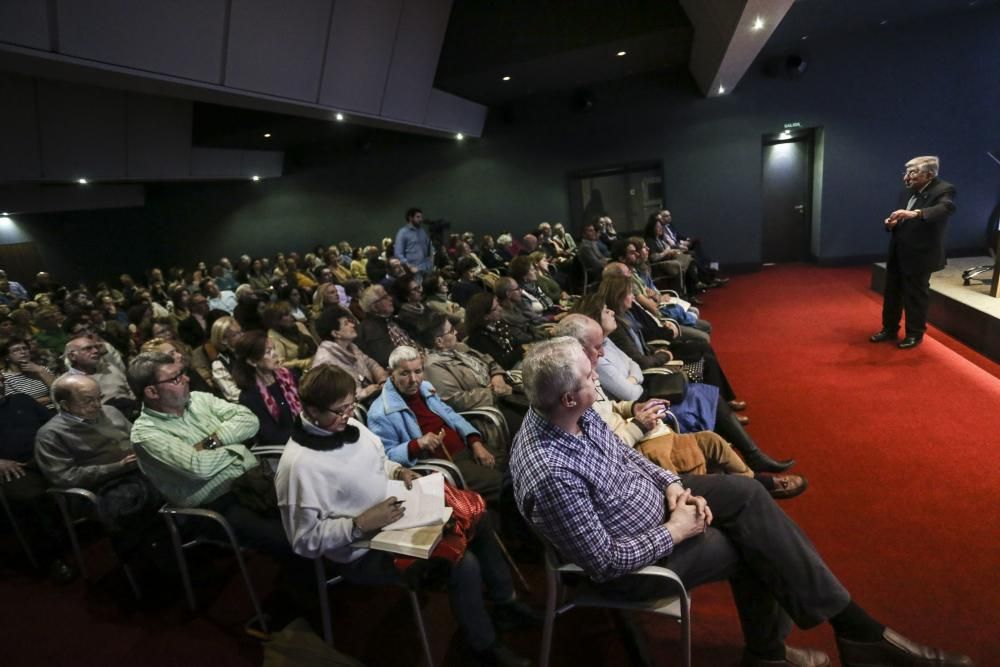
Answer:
[(968, 313)]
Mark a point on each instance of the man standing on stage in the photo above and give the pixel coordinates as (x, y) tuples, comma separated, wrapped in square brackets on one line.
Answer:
[(916, 249)]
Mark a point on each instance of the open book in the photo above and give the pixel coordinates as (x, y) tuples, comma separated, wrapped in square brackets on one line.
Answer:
[(420, 528)]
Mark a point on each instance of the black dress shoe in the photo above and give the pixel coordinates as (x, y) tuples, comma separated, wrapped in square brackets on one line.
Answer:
[(788, 486), (499, 655), (760, 462), (882, 336), (910, 341), (895, 649)]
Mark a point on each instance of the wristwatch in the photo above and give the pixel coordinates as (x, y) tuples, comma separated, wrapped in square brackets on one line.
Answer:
[(212, 442)]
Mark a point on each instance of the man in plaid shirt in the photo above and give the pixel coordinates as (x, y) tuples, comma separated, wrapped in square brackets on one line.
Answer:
[(609, 510)]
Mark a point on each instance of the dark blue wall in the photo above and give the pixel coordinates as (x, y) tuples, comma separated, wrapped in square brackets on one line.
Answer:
[(881, 97)]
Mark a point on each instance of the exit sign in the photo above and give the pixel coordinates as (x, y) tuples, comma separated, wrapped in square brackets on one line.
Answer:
[(789, 126)]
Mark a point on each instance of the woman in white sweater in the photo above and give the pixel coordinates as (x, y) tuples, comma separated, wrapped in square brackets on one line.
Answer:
[(331, 484)]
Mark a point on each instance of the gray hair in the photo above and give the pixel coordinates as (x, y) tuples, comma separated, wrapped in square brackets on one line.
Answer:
[(505, 239), (502, 286), (142, 370), (576, 326), (550, 370), (402, 354), (929, 164), (370, 296)]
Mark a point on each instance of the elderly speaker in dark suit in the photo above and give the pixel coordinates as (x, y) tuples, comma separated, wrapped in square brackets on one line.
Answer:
[(916, 249)]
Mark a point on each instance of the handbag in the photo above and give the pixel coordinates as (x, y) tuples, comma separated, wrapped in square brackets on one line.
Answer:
[(467, 508), (672, 387)]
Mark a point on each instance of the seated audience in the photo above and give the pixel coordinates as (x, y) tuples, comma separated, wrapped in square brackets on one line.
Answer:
[(489, 334), (620, 512), (217, 299), (87, 446), (410, 308), (83, 357), (180, 353), (23, 484), (331, 485), (190, 446), (414, 423), (640, 425), (491, 255), (248, 309), (226, 332), (193, 329), (338, 329), (559, 234), (22, 375), (464, 378), (379, 333), (267, 389), (437, 299), (525, 323), (468, 282), (591, 253), (293, 342)]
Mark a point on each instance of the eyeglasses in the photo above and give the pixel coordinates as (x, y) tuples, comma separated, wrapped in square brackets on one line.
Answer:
[(344, 410), (175, 380)]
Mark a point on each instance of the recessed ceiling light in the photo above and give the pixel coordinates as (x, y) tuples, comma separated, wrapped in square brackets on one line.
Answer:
[(255, 178), (758, 24), (82, 181), (460, 136), (5, 214), (884, 22), (506, 78), (267, 135), (621, 53), (805, 37), (722, 89), (339, 117)]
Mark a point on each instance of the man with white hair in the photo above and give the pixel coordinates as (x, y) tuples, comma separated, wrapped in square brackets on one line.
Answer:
[(916, 249), (379, 333), (609, 510)]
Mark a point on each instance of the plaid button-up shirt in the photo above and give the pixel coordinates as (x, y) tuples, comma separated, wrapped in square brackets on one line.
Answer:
[(599, 502)]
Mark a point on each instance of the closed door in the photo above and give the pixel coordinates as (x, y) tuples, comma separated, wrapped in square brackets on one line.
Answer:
[(787, 187)]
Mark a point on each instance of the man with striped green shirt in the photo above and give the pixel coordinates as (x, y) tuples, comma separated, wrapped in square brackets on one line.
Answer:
[(189, 444)]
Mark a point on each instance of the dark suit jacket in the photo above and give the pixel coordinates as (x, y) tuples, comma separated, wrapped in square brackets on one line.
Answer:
[(191, 332), (373, 339), (919, 243)]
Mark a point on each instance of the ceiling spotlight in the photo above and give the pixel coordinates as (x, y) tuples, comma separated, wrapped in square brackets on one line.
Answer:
[(884, 22), (722, 89), (805, 37), (4, 214), (82, 181), (255, 178), (460, 136), (506, 78), (621, 53), (267, 135), (758, 24), (339, 117)]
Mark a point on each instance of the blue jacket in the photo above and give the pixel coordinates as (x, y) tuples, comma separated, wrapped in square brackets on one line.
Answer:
[(395, 424)]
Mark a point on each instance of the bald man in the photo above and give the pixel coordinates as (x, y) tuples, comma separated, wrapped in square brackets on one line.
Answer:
[(87, 443)]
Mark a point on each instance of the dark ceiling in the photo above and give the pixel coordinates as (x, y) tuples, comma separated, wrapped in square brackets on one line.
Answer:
[(556, 46)]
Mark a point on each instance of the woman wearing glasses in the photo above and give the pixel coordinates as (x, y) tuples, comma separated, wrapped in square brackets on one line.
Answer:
[(23, 376)]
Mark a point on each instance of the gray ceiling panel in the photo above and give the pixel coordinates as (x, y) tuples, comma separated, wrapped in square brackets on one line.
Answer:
[(25, 23), (179, 38), (422, 26), (359, 54), (278, 48)]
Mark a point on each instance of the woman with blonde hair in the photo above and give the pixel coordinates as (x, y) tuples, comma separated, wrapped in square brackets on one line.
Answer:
[(226, 332)]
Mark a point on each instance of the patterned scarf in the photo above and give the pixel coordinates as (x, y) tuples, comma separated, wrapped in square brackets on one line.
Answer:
[(501, 334), (286, 383)]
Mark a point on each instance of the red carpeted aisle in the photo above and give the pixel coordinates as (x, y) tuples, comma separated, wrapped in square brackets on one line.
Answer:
[(898, 446)]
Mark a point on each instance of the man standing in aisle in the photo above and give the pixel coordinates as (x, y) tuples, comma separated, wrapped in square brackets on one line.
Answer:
[(916, 249), (413, 245)]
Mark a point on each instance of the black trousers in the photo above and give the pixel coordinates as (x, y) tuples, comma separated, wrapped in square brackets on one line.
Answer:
[(909, 292), (776, 575), (36, 513)]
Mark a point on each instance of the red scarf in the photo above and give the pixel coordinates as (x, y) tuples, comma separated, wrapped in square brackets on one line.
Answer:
[(286, 383)]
